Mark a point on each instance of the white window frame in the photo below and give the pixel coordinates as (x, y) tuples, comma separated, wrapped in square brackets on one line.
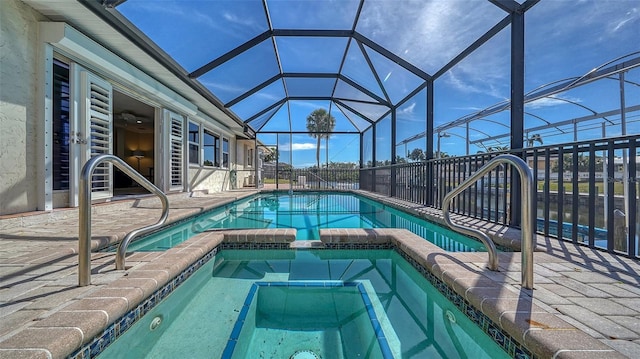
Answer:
[(198, 144), (222, 152), (248, 153), (217, 163)]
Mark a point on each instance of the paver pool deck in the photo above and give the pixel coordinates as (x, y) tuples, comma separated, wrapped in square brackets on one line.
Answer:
[(586, 303)]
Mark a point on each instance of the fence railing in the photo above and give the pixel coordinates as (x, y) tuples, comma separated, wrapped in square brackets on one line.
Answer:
[(311, 178), (586, 192)]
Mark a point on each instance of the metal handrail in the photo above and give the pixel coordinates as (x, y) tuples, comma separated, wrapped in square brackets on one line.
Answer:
[(318, 177), (528, 214), (84, 244)]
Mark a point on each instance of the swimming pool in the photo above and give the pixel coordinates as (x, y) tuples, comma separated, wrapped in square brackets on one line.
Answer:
[(200, 318), (307, 212)]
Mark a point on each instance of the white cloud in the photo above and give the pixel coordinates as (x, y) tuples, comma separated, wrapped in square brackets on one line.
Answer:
[(234, 19), (468, 108), (631, 16), (307, 104), (238, 25), (267, 96), (221, 87), (407, 110), (303, 146), (474, 81), (427, 34), (551, 101)]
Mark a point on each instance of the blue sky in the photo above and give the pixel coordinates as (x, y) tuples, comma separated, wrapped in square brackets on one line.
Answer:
[(564, 38)]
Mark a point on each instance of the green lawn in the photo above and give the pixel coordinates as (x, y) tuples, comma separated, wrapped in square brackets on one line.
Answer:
[(583, 187), (273, 181)]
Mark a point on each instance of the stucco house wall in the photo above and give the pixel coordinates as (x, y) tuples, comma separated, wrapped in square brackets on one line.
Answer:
[(19, 157), (210, 180)]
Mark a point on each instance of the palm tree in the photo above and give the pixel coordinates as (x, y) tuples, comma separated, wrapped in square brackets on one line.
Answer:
[(320, 124), (416, 155), (533, 138), (271, 155)]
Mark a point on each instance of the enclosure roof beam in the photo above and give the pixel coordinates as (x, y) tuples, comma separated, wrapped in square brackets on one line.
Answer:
[(230, 55), (364, 90), (474, 46), (589, 77), (566, 122), (411, 94), (391, 56), (506, 5), (355, 111), (355, 100), (253, 90), (266, 110), (373, 70), (307, 132), (543, 91), (312, 33), (349, 118), (528, 4)]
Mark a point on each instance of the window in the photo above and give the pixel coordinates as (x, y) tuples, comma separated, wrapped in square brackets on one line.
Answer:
[(194, 143), (249, 152), (225, 153), (60, 125), (211, 146), (205, 148)]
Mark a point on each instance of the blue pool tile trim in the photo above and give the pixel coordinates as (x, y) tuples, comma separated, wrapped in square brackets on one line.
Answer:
[(502, 338), (382, 340), (109, 335), (364, 246), (250, 245), (237, 328)]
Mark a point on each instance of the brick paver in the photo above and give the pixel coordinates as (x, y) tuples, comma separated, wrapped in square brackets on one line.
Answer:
[(596, 292)]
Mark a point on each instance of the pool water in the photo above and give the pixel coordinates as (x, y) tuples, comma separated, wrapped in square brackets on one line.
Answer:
[(307, 212), (313, 304), (339, 323)]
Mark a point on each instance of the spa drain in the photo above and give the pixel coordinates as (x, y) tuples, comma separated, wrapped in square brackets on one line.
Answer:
[(304, 354)]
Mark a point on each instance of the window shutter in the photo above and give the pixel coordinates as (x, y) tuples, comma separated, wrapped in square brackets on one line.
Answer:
[(176, 145), (99, 126)]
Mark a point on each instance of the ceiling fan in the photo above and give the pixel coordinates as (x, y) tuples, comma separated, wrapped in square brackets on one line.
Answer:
[(132, 122), (129, 117)]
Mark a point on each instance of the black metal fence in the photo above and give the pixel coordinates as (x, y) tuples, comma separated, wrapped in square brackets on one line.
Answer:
[(311, 178), (587, 192)]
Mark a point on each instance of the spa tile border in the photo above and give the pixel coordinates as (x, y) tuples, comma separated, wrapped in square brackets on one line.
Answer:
[(362, 246), (513, 348), (249, 245)]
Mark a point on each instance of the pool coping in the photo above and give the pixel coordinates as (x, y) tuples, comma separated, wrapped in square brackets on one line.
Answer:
[(542, 332)]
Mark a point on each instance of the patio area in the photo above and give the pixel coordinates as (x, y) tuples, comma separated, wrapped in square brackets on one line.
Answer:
[(402, 102), (585, 302)]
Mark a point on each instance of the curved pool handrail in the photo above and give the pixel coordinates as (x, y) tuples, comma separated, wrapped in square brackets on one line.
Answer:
[(84, 235), (528, 214)]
